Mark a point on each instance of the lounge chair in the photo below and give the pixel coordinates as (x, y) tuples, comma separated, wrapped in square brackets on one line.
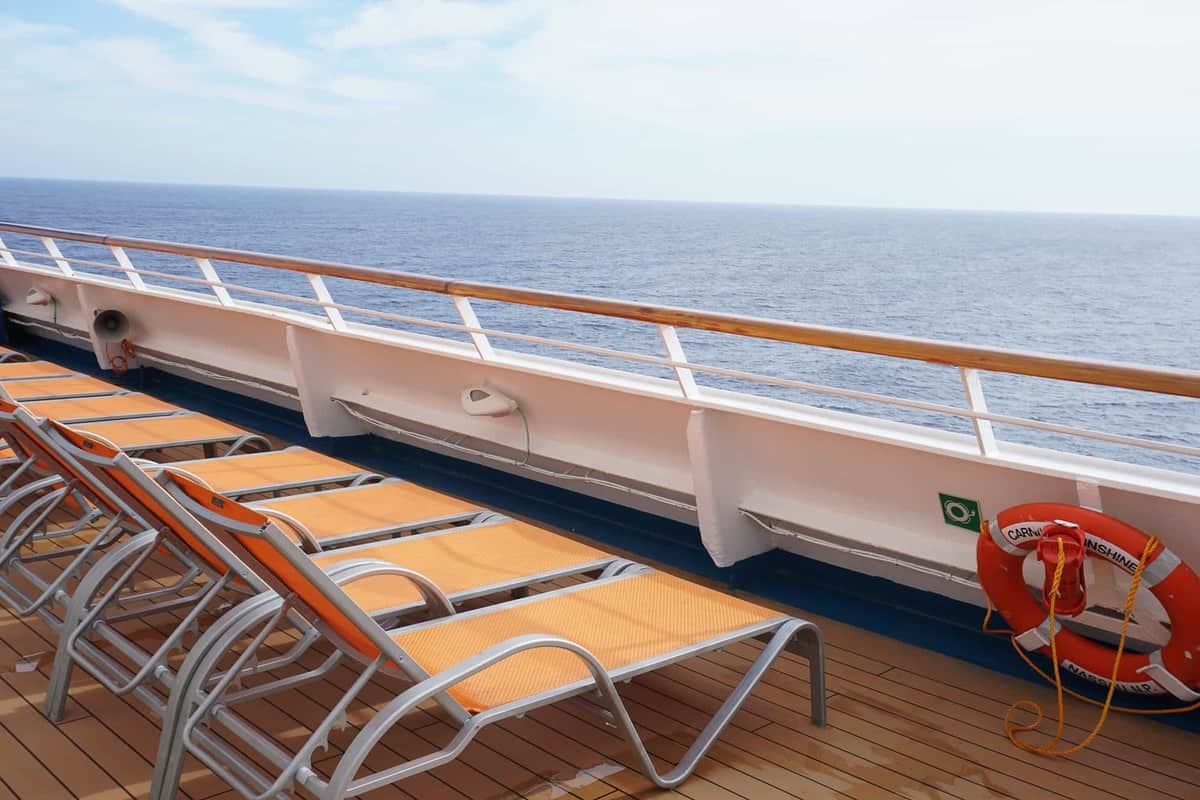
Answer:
[(7, 354), (319, 520), (139, 436), (286, 469), (480, 666), (386, 578), (119, 405), (166, 430), (279, 470), (68, 485), (324, 520), (7, 457), (183, 429), (22, 370), (72, 385)]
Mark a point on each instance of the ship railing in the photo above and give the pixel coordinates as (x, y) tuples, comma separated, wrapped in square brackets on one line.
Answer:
[(969, 360)]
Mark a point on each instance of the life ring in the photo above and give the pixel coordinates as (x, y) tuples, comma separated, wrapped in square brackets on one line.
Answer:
[(1009, 537)]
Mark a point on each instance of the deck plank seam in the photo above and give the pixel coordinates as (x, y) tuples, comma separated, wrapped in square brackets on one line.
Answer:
[(902, 687), (992, 734), (932, 765)]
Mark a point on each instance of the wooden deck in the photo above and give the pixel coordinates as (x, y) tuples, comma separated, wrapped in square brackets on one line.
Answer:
[(903, 723)]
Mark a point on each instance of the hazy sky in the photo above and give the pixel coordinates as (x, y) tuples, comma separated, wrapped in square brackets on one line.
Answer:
[(1088, 105)]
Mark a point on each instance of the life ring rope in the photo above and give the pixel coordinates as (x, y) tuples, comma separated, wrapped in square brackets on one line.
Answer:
[(1083, 698), (1012, 729)]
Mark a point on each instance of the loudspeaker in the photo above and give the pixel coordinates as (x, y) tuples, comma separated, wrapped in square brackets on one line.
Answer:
[(110, 325)]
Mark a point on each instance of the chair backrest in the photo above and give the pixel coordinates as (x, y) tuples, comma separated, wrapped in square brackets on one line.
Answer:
[(26, 435), (279, 562), (10, 427), (121, 478)]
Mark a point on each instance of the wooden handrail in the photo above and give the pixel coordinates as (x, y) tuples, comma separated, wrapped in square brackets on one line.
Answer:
[(1185, 383)]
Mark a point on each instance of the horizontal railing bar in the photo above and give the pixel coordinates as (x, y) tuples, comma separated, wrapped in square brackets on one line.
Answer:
[(1086, 433), (1128, 376), (69, 259), (209, 283), (239, 288), (164, 275), (902, 402)]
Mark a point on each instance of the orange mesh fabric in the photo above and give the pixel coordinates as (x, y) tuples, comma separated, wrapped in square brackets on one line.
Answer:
[(267, 469), (32, 369), (56, 387), (102, 406), (158, 515), (6, 453), (466, 558), (366, 508), (267, 561), (131, 434), (621, 622)]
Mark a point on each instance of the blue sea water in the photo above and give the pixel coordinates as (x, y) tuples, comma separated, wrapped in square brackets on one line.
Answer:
[(1121, 288)]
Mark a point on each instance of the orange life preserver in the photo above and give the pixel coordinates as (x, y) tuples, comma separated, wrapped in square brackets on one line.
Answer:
[(1014, 533)]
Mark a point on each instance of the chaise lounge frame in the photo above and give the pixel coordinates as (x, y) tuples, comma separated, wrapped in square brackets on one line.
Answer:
[(202, 695)]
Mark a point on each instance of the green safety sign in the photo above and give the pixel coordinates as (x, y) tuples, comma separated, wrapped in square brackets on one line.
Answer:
[(960, 512)]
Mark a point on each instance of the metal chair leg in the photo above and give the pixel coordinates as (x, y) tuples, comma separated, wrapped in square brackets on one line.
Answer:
[(77, 609)]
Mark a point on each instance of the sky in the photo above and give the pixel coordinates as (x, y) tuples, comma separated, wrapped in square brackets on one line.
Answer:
[(1053, 105)]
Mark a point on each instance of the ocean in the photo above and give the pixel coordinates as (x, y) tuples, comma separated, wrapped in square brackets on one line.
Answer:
[(1122, 288)]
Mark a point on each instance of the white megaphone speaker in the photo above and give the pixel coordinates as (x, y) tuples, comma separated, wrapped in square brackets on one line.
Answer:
[(111, 325)]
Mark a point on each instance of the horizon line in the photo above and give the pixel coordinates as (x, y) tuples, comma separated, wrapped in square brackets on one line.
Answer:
[(608, 199)]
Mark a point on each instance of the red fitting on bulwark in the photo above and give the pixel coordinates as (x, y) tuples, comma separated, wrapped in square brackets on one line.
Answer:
[(1072, 591)]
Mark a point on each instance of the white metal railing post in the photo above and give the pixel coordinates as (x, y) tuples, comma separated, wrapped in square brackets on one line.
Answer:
[(52, 248), (6, 256), (210, 274), (687, 381), (977, 403), (131, 272), (466, 312), (322, 292)]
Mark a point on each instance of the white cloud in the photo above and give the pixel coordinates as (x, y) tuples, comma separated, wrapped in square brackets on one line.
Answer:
[(243, 53), (226, 41), (12, 29), (377, 90), (458, 54), (684, 62), (403, 21), (230, 4), (145, 63), (278, 77)]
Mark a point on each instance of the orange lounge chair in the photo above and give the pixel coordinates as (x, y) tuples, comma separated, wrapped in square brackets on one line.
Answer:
[(481, 666), (387, 578), (66, 485), (139, 436), (72, 385), (119, 405), (21, 370), (7, 354), (136, 436)]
